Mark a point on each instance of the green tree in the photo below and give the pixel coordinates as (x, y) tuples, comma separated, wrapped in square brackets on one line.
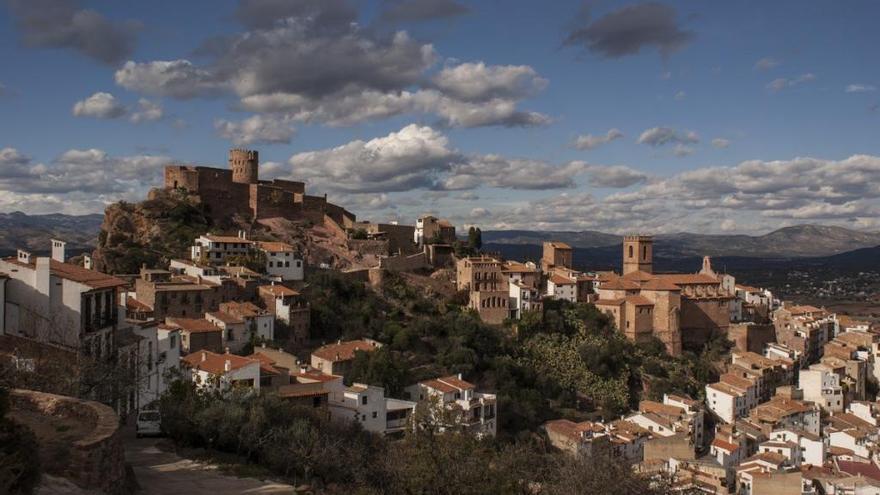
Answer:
[(475, 238), (381, 367)]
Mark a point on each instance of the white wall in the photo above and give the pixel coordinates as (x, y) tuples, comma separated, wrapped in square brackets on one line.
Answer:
[(285, 265)]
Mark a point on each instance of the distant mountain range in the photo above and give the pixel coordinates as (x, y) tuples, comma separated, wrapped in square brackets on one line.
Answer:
[(33, 232), (788, 242), (592, 249)]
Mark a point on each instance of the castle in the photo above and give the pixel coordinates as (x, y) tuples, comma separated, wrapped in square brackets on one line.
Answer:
[(239, 190), (677, 308)]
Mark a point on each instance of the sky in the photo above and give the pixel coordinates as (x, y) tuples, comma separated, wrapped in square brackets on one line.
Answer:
[(656, 117)]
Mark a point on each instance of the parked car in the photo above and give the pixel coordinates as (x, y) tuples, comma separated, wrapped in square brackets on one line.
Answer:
[(148, 423)]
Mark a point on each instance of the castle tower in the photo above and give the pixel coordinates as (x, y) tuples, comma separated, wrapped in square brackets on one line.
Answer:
[(244, 165), (638, 253)]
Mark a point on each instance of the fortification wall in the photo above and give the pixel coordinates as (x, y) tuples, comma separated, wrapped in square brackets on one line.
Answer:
[(97, 460), (180, 176), (222, 196), (701, 319), (287, 185), (369, 246), (269, 202), (404, 263)]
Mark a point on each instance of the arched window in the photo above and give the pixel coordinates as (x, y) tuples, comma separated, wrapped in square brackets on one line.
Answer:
[(644, 252), (630, 251)]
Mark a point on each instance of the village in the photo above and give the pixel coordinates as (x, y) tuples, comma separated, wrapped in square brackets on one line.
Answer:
[(794, 411)]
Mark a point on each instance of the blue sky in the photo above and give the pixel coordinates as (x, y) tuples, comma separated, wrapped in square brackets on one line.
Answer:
[(725, 116)]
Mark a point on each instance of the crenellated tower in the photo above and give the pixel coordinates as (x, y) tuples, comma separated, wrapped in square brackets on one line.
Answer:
[(244, 165), (638, 253)]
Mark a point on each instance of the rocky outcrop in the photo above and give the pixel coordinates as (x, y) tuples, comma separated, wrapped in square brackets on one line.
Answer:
[(150, 232)]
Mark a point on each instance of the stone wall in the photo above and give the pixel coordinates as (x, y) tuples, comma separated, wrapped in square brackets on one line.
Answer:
[(751, 337), (404, 263), (378, 247), (97, 460)]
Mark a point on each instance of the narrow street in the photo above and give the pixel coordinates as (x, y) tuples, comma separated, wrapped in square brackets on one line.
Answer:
[(161, 473)]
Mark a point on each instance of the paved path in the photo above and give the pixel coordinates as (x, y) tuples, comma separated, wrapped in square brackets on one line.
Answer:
[(163, 473)]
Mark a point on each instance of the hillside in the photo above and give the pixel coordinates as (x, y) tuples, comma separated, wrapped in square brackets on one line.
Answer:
[(33, 232), (163, 227)]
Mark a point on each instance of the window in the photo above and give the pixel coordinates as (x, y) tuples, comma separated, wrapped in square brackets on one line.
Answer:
[(364, 400), (375, 415), (630, 251), (286, 264)]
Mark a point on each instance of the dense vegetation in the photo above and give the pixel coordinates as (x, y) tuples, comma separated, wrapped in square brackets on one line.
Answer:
[(304, 446), (567, 361)]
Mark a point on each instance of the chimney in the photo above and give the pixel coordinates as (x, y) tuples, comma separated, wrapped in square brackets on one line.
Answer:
[(87, 262), (58, 250), (227, 350), (264, 345), (204, 356), (242, 234), (227, 366), (24, 256)]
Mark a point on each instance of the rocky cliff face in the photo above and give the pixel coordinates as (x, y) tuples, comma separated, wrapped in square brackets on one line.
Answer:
[(150, 232)]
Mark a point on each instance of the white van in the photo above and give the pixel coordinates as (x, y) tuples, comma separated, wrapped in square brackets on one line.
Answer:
[(148, 423)]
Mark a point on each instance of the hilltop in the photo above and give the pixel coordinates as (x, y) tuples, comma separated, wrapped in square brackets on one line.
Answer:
[(32, 232)]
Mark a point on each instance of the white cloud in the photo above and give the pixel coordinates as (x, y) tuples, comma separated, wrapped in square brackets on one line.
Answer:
[(860, 88), (782, 82), (766, 63), (680, 96), (479, 82), (682, 150), (617, 176), (256, 129), (100, 106), (175, 78), (659, 136), (147, 111), (419, 157), (720, 143), (589, 141)]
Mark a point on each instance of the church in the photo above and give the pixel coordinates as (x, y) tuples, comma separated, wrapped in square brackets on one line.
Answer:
[(680, 309)]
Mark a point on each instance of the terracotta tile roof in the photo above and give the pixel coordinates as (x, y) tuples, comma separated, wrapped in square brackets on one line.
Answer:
[(619, 284), (688, 278), (216, 363), (747, 288), (267, 365), (313, 376), (192, 325), (244, 309), (639, 276), (517, 267), (726, 389), (803, 309), (571, 429), (133, 304), (737, 381), (227, 238), (660, 284), (302, 390), (560, 280), (457, 382), (275, 247), (660, 408), (343, 351), (75, 273), (724, 445), (639, 301), (609, 302), (769, 457), (226, 317), (278, 290), (866, 469)]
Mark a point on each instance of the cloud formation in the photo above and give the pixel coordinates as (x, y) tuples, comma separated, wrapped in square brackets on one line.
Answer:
[(751, 196), (628, 30), (659, 136), (65, 24), (781, 83), (310, 61), (419, 157), (720, 143), (147, 111), (860, 88), (100, 106), (590, 142), (256, 129), (766, 63)]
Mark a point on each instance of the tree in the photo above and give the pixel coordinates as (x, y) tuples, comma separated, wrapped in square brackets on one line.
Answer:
[(475, 238), (380, 367)]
